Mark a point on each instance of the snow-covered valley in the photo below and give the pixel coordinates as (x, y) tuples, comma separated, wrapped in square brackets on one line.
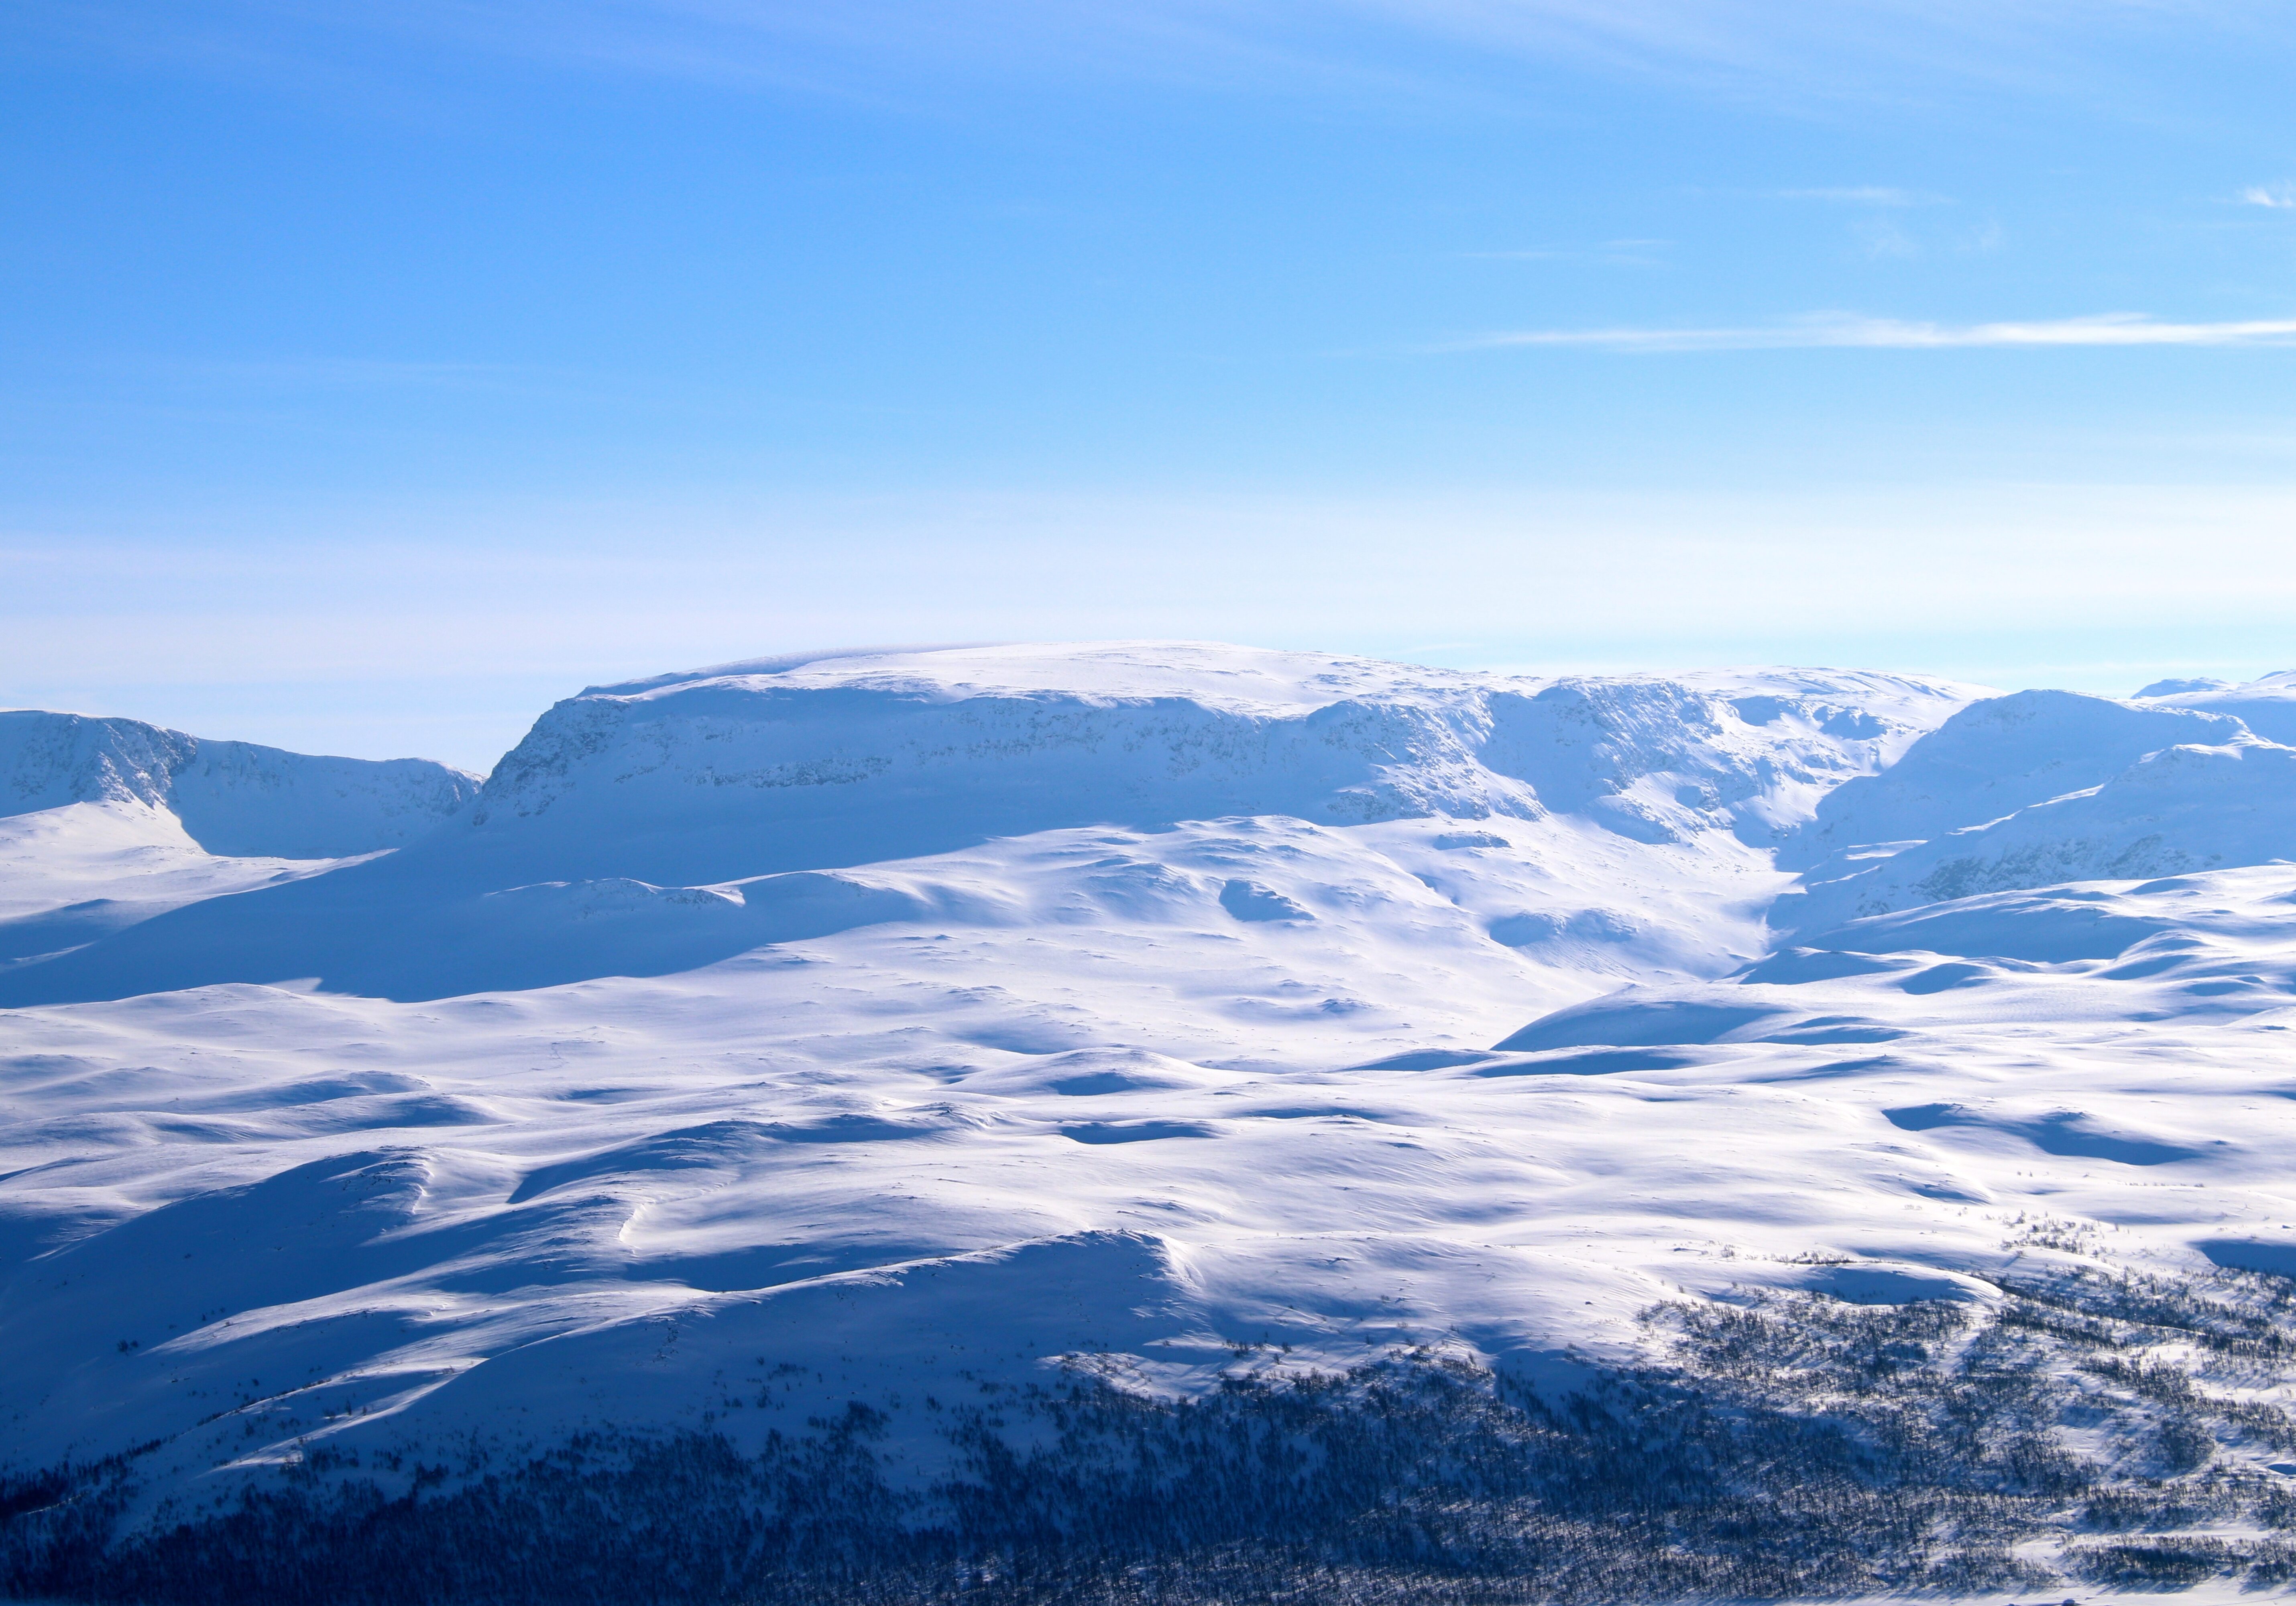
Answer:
[(844, 1067)]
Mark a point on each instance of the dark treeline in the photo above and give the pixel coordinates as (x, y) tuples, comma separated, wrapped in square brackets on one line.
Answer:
[(1792, 1446)]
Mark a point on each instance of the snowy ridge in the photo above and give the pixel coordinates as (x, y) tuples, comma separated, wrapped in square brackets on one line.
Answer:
[(2180, 810), (1993, 758), (108, 823), (2043, 787)]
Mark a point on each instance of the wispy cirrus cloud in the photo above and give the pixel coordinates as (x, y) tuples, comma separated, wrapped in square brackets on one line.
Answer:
[(1845, 331), (1609, 253), (1864, 194), (2278, 196)]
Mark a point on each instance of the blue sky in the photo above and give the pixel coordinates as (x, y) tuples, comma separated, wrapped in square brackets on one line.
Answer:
[(374, 375)]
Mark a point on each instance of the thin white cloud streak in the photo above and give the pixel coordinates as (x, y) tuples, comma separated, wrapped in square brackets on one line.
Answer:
[(2278, 196), (1931, 54), (1864, 194), (1609, 253), (1841, 331)]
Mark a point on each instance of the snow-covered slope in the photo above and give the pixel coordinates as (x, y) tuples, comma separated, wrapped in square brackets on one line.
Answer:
[(71, 875), (731, 771), (1990, 759), (875, 1057), (2179, 810)]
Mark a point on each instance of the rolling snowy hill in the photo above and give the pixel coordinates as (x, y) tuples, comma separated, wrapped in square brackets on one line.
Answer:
[(900, 1082)]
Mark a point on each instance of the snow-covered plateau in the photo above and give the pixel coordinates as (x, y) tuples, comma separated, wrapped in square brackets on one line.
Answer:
[(1159, 1122)]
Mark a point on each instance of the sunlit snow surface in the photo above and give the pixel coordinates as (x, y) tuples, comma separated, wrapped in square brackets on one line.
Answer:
[(910, 1021)]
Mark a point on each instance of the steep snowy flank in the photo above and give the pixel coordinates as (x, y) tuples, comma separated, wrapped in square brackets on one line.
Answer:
[(71, 875), (2180, 810), (105, 824), (232, 798)]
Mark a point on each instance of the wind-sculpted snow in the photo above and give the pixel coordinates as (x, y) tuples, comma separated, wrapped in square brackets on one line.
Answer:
[(1153, 1122), (2041, 788), (105, 824)]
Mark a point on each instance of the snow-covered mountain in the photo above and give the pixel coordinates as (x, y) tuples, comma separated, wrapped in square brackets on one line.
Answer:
[(883, 1086), (233, 799), (733, 771), (2043, 787), (1991, 759), (2265, 705), (655, 828), (105, 823)]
